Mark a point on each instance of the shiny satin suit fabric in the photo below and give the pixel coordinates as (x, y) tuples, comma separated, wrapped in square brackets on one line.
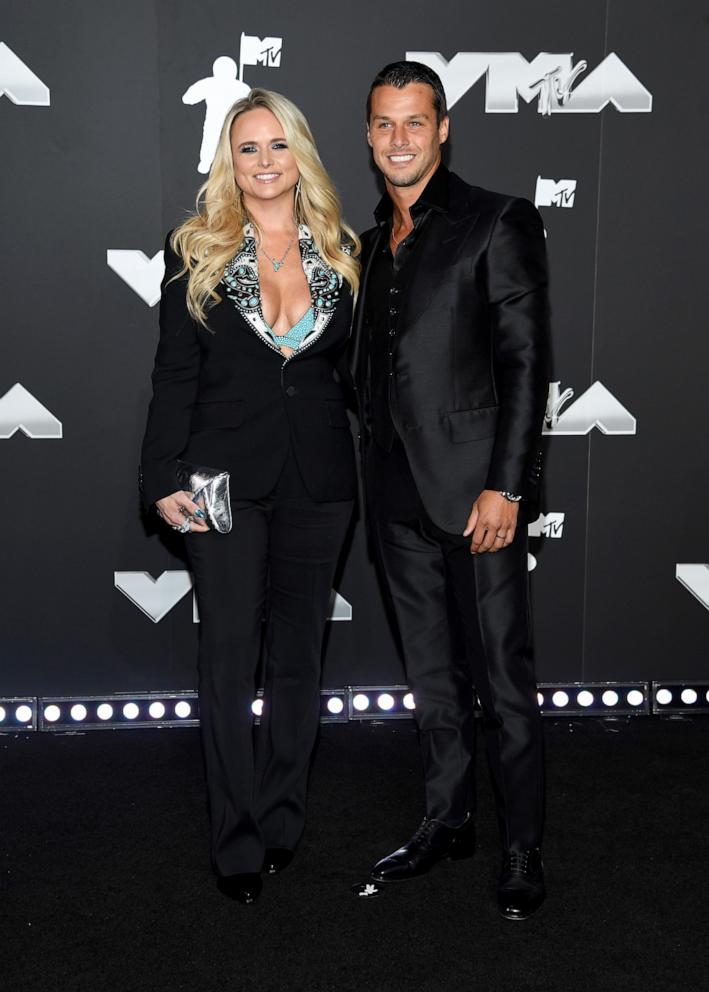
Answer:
[(467, 392)]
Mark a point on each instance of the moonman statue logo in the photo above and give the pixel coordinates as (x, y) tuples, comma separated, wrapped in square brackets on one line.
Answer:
[(19, 83), (550, 79), (225, 86)]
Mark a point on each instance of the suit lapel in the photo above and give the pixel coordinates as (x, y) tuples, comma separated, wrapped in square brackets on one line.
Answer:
[(241, 277)]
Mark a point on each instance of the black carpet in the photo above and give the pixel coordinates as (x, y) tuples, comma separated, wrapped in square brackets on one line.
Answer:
[(106, 882)]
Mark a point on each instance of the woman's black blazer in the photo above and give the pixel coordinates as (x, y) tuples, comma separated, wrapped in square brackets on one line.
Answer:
[(225, 398)]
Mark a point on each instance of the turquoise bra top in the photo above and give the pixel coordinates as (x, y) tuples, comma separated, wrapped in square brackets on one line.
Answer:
[(300, 330)]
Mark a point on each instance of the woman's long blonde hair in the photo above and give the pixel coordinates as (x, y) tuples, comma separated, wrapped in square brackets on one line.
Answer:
[(208, 239)]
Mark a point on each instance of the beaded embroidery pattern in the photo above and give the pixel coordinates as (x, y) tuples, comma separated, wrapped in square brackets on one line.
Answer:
[(241, 278)]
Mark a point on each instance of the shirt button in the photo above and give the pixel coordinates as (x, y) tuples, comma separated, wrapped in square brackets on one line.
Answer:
[(291, 391), (393, 311), (392, 333), (393, 290)]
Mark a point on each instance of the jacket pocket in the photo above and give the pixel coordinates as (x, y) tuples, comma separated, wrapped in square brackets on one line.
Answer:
[(472, 425), (213, 416), (337, 413)]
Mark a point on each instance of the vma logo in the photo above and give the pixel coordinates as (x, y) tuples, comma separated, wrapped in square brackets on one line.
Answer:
[(19, 83), (156, 597), (551, 79), (597, 407), (555, 193), (144, 275), (225, 86), (695, 578), (20, 411)]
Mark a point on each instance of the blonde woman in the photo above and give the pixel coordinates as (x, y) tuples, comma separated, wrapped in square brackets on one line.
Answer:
[(254, 317)]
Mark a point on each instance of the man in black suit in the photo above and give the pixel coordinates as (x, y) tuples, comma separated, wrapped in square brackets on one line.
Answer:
[(450, 359)]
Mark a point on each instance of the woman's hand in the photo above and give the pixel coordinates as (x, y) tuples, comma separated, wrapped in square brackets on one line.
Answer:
[(178, 510)]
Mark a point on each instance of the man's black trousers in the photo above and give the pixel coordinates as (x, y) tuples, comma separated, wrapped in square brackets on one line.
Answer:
[(276, 565), (464, 622)]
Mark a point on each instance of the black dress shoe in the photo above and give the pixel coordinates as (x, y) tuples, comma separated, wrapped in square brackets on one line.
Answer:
[(521, 890), (276, 859), (244, 888), (432, 842)]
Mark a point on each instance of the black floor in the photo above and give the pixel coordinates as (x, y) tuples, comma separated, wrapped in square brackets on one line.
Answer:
[(106, 884)]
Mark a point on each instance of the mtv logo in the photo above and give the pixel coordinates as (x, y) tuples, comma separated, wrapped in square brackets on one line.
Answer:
[(144, 275), (549, 78), (547, 525), (261, 51), (555, 193), (19, 83), (695, 578), (156, 597), (20, 411), (597, 407)]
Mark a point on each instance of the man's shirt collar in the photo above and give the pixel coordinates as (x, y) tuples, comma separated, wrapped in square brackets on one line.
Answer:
[(435, 196)]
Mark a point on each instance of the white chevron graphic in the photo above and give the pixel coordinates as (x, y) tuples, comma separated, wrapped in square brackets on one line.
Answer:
[(141, 273), (695, 578), (597, 407), (154, 597), (20, 411), (19, 83)]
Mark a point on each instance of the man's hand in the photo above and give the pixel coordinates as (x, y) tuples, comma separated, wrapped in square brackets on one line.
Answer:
[(492, 522)]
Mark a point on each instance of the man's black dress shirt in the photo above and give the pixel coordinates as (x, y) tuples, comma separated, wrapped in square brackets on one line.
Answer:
[(388, 281)]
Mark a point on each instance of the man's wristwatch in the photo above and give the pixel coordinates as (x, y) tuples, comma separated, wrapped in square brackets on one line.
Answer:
[(510, 497)]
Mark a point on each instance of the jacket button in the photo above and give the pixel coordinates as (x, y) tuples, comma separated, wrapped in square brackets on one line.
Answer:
[(291, 391)]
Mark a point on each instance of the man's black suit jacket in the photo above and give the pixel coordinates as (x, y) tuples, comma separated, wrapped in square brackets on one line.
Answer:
[(471, 354), (224, 399)]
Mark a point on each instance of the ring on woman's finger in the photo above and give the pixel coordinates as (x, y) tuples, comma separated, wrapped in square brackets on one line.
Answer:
[(185, 527)]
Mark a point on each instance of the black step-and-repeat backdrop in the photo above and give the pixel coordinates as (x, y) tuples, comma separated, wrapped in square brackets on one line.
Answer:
[(596, 111)]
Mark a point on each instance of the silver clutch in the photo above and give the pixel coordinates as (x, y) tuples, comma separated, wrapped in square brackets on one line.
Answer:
[(213, 486)]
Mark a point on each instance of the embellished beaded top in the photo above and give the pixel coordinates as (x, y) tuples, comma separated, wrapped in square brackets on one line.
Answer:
[(295, 336)]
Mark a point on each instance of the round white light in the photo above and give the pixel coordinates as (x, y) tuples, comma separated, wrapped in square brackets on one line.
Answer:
[(385, 701), (257, 707), (585, 698), (52, 713), (78, 712), (560, 698), (156, 710), (23, 713), (688, 696), (408, 701), (3, 713), (540, 699), (360, 702), (130, 711), (635, 698), (335, 704), (182, 709), (707, 699), (104, 711), (610, 697), (531, 562), (664, 697)]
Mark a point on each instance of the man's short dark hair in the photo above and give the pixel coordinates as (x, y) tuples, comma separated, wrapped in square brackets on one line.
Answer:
[(400, 74)]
